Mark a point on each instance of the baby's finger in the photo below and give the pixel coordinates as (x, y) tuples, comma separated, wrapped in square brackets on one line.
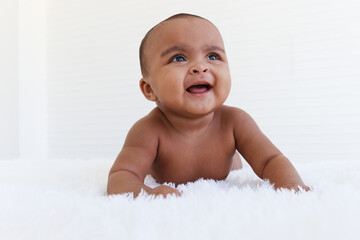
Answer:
[(178, 193)]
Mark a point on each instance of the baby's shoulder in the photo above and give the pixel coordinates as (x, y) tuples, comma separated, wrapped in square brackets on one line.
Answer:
[(152, 120), (232, 113), (144, 132), (240, 120), (236, 118), (152, 124)]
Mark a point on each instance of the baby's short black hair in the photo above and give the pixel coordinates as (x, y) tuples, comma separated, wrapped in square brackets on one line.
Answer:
[(144, 41)]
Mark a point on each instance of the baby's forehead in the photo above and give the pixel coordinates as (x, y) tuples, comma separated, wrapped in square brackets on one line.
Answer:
[(169, 25), (174, 29)]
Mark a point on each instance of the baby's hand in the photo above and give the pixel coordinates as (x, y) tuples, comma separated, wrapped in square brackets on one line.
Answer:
[(164, 190), (295, 187)]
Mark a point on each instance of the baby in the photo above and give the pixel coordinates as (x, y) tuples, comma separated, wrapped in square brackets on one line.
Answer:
[(191, 134)]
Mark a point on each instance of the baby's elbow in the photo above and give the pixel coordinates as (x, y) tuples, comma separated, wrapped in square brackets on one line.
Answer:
[(266, 164)]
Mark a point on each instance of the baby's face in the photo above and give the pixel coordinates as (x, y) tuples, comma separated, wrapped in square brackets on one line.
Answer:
[(187, 67)]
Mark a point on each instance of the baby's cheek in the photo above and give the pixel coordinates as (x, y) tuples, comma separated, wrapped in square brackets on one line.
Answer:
[(224, 88)]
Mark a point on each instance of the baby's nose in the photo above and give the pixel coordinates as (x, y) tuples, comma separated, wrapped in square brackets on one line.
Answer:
[(199, 68)]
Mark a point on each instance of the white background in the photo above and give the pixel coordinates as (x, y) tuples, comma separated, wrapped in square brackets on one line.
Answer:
[(69, 73)]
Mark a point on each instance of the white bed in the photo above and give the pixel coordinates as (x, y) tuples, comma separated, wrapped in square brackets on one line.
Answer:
[(65, 199)]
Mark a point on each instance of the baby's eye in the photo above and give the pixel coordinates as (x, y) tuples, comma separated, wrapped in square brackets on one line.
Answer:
[(213, 56), (178, 58)]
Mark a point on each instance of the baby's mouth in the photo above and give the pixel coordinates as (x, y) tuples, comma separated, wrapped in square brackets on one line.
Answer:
[(199, 88)]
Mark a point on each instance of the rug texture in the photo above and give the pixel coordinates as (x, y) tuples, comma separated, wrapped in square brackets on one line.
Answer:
[(66, 199)]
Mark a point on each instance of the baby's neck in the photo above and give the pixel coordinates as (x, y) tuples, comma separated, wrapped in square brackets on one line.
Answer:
[(189, 126)]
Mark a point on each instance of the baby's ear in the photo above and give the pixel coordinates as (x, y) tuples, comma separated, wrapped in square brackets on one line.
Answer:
[(147, 90)]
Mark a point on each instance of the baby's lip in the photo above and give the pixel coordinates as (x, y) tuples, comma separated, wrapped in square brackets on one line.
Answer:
[(198, 87)]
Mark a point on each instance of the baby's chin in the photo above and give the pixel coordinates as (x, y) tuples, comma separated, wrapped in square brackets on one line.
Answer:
[(192, 108), (198, 112)]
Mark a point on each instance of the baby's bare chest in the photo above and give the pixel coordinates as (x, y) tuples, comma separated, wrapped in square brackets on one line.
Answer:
[(186, 159)]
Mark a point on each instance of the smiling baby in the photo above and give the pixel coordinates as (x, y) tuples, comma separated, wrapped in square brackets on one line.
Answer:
[(190, 134)]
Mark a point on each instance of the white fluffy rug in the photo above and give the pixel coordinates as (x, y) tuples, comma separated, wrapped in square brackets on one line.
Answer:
[(66, 200)]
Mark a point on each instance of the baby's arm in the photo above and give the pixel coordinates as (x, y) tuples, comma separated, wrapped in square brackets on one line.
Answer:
[(264, 158), (134, 161)]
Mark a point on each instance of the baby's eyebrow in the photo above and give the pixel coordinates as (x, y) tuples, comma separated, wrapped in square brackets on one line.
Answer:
[(209, 48), (184, 48), (174, 48)]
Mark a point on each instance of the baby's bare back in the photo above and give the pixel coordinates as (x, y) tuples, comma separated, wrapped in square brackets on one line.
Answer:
[(207, 153)]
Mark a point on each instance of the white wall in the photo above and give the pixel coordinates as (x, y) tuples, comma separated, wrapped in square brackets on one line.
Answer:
[(296, 70), (294, 64), (33, 102), (23, 86), (9, 103)]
